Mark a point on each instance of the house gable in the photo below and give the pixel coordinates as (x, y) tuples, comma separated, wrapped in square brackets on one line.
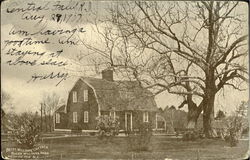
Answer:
[(80, 105)]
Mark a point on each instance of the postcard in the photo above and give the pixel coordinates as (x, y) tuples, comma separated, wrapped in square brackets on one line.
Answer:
[(124, 80)]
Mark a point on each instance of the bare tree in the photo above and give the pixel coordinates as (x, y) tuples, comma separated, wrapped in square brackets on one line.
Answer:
[(6, 101), (49, 103), (190, 49), (5, 97)]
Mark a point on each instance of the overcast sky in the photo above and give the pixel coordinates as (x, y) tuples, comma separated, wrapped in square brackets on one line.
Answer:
[(27, 96)]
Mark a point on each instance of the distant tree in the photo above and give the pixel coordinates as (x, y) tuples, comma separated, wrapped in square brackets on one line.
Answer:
[(172, 107), (220, 115), (6, 101), (5, 97), (236, 124), (242, 109), (50, 102), (160, 110), (176, 119)]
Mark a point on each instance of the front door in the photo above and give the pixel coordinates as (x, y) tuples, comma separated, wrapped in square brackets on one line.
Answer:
[(128, 121)]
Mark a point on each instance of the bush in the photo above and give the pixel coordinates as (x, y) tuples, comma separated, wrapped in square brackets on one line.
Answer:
[(192, 135), (232, 140), (233, 132), (139, 141), (235, 125), (92, 133), (27, 130), (108, 127)]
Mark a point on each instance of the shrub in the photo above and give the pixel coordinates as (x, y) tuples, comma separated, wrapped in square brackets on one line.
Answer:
[(108, 127), (27, 130), (235, 125), (192, 135), (139, 141), (92, 133), (232, 140)]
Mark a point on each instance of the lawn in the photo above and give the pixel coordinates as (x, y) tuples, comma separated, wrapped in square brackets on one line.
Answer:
[(161, 147)]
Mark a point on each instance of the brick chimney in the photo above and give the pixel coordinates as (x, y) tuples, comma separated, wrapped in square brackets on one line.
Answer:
[(107, 74)]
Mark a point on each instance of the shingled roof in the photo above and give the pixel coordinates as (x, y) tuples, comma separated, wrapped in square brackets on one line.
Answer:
[(121, 95), (61, 109)]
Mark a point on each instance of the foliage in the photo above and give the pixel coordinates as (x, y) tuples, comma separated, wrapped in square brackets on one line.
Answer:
[(236, 124), (139, 141), (192, 135), (220, 115), (6, 101), (108, 126), (176, 119), (26, 130)]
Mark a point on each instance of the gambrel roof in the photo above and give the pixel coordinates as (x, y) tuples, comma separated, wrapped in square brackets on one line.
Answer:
[(121, 95), (61, 109)]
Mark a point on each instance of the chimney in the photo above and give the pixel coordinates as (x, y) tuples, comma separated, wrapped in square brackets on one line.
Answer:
[(107, 74)]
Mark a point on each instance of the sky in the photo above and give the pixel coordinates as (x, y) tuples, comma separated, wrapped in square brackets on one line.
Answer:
[(14, 79)]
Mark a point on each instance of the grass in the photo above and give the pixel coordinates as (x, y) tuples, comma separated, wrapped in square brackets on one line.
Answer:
[(161, 147)]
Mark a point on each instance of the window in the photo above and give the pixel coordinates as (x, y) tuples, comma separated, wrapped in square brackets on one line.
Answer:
[(74, 96), (86, 117), (112, 114), (85, 95), (74, 117), (57, 118), (145, 117)]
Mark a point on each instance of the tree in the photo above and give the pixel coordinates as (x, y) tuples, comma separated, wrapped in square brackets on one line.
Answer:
[(220, 115), (236, 124), (149, 40), (50, 102), (6, 101), (26, 129)]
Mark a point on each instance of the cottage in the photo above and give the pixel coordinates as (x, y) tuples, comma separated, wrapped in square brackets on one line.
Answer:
[(92, 97)]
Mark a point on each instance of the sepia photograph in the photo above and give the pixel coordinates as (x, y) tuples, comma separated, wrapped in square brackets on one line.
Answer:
[(134, 80)]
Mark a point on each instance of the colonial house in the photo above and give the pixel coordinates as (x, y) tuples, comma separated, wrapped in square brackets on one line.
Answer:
[(92, 97)]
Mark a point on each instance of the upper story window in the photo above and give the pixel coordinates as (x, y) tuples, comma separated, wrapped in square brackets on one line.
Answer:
[(57, 118), (74, 117), (86, 117), (145, 117), (85, 95), (74, 96)]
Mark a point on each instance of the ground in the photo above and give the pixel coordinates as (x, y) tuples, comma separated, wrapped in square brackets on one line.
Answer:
[(161, 147)]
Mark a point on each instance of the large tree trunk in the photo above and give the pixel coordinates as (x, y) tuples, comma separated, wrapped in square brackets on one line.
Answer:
[(193, 112), (208, 118), (192, 118), (208, 106)]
